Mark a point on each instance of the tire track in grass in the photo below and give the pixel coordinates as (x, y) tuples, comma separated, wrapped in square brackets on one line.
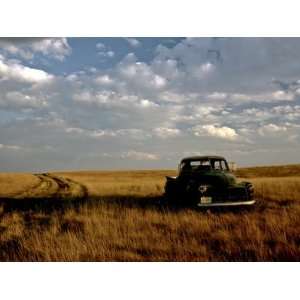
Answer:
[(51, 192), (46, 188), (68, 188)]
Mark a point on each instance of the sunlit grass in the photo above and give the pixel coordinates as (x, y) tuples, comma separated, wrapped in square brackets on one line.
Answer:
[(122, 221)]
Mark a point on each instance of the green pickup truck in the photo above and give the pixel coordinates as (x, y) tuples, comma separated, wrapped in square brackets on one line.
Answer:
[(206, 181)]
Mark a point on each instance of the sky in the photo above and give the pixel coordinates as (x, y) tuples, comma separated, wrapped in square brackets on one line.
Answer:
[(145, 103)]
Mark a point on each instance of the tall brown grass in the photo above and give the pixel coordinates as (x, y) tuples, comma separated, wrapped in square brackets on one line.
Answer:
[(123, 219), (269, 171), (12, 184)]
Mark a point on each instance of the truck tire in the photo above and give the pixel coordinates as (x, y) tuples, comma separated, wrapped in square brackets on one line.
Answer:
[(250, 190)]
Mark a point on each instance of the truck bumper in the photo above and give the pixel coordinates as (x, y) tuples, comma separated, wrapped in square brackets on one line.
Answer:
[(235, 203)]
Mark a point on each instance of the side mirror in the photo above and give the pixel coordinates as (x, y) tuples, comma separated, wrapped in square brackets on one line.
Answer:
[(179, 167), (232, 166)]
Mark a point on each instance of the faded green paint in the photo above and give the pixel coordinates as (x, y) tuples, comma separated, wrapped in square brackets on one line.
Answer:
[(207, 176)]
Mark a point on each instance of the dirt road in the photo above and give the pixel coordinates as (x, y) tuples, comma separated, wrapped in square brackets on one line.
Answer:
[(54, 187), (50, 192)]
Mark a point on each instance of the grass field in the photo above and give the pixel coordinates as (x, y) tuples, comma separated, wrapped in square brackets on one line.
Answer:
[(118, 216)]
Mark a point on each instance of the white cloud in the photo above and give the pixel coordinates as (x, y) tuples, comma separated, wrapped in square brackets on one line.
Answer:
[(181, 93), (159, 81), (147, 104), (100, 46), (263, 97), (104, 51), (273, 114), (107, 54), (130, 133), (104, 79), (207, 67), (283, 95), (203, 110), (96, 133), (10, 147), (16, 71), (133, 133), (18, 100), (58, 48), (215, 131), (102, 133), (242, 97), (74, 130), (139, 155), (14, 50), (73, 77), (286, 112), (55, 47), (106, 98), (168, 68), (164, 132), (112, 99), (133, 42), (170, 96), (271, 129), (201, 72), (139, 75), (217, 96)]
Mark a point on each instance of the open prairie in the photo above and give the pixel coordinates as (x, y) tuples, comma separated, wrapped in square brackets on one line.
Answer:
[(120, 216)]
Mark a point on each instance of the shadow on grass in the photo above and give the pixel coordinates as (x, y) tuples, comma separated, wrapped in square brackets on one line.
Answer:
[(158, 203), (49, 205), (14, 250)]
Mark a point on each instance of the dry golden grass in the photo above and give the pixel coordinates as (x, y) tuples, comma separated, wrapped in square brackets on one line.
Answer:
[(121, 183), (12, 184), (269, 171), (122, 219)]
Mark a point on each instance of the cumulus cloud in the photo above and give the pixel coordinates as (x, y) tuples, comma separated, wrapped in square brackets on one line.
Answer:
[(139, 155), (104, 80), (100, 46), (171, 96), (271, 129), (112, 99), (14, 50), (141, 107), (102, 133), (202, 71), (133, 42), (163, 132), (283, 95), (263, 97), (16, 100), (217, 96), (105, 98), (10, 147), (97, 133), (146, 103), (238, 64), (139, 75), (286, 112), (10, 70), (57, 48), (224, 132), (104, 52), (132, 133)]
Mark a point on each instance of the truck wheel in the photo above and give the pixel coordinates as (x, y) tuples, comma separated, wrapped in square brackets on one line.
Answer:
[(250, 190)]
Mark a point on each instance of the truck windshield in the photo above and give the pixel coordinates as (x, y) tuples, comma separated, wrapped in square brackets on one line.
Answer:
[(203, 165), (220, 165)]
